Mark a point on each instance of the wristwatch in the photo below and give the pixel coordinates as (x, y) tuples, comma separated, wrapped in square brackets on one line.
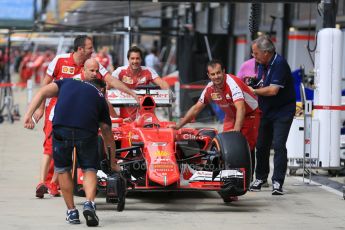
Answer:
[(254, 91)]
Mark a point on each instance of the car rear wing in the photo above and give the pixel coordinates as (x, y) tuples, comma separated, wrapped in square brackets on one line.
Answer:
[(162, 98)]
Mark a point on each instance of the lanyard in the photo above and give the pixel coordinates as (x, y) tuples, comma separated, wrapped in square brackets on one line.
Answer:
[(100, 93), (269, 67)]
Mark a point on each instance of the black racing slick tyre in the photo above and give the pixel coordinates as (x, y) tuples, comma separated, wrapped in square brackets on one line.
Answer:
[(235, 154), (101, 151)]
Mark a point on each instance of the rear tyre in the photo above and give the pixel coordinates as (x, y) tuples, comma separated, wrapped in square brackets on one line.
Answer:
[(235, 154), (333, 172), (101, 151)]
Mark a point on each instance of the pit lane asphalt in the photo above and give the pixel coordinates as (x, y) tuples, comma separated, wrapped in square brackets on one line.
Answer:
[(302, 207)]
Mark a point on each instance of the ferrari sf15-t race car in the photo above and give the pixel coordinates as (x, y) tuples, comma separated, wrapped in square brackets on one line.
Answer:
[(154, 157)]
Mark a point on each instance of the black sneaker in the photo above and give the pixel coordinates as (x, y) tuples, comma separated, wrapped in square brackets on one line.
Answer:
[(257, 184), (72, 216), (41, 189), (277, 188), (90, 214)]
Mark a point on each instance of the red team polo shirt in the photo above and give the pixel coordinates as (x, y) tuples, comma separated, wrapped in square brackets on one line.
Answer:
[(145, 76), (131, 80), (63, 66), (234, 90), (104, 60)]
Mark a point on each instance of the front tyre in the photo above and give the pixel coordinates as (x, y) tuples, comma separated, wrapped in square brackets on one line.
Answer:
[(235, 155)]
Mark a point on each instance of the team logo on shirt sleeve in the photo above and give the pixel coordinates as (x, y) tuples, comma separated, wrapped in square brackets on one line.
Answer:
[(67, 69), (127, 80), (216, 96)]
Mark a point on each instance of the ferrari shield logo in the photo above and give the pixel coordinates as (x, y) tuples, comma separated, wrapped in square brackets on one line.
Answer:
[(216, 96), (67, 69)]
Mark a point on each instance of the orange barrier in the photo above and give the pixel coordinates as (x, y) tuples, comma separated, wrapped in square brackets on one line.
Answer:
[(301, 37), (21, 84), (193, 86)]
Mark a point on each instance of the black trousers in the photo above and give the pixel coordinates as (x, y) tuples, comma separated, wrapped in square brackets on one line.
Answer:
[(272, 131)]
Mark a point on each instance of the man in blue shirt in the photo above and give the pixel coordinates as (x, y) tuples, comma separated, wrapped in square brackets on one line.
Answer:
[(277, 101), (79, 112)]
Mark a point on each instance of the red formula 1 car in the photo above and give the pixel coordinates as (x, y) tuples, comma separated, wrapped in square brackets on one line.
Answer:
[(157, 158)]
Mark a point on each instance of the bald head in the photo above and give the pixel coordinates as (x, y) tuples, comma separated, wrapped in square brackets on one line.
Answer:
[(91, 69), (91, 62)]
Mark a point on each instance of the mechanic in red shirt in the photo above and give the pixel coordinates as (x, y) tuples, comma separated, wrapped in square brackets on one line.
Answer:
[(25, 70), (65, 66), (134, 75), (236, 100), (104, 58)]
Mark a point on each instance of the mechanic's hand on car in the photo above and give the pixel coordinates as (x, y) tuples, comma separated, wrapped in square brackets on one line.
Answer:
[(174, 126), (38, 114)]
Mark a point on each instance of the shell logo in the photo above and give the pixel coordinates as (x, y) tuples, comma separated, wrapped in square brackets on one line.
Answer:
[(160, 153), (216, 96), (67, 69)]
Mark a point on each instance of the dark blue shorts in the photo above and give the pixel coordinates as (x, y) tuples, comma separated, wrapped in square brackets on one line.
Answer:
[(86, 144)]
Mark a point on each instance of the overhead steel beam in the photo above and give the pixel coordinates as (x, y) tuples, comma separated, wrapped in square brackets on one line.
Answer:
[(235, 1)]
